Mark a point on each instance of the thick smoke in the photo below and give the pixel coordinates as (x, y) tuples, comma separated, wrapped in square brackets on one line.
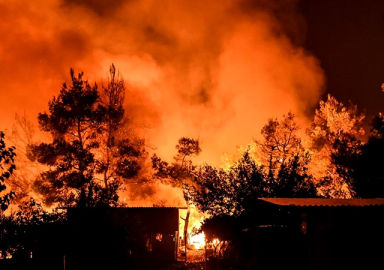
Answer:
[(213, 70)]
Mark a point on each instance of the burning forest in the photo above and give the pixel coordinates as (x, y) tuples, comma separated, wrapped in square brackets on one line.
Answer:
[(136, 131)]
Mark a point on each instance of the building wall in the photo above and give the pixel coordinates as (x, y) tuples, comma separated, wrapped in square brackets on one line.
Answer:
[(345, 237), (121, 235)]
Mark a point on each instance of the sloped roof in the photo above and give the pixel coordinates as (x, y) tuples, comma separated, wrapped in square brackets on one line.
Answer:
[(305, 202)]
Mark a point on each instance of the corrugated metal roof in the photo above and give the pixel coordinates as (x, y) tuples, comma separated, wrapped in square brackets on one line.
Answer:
[(324, 202), (133, 207), (150, 207)]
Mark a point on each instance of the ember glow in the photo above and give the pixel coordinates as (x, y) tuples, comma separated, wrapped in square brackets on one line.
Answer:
[(215, 241), (195, 240), (208, 70), (198, 240)]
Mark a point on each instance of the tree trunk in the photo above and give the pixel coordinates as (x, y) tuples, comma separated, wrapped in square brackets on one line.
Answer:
[(186, 229)]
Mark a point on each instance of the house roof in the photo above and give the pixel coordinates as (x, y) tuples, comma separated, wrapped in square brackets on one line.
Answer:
[(149, 219), (151, 207), (324, 202), (130, 207)]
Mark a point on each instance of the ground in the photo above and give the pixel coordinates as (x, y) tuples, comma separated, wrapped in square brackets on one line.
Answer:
[(188, 266)]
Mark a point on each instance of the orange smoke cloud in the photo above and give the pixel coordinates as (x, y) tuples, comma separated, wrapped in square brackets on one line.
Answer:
[(203, 69)]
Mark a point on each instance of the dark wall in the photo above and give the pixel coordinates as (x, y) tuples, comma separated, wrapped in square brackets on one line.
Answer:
[(118, 237), (346, 237)]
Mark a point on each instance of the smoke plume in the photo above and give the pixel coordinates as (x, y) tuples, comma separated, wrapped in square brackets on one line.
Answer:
[(212, 70)]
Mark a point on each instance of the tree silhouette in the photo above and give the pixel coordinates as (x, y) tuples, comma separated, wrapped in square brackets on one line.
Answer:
[(363, 168), (91, 152), (281, 171), (218, 192), (121, 153), (234, 192), (294, 180), (7, 167), (178, 172), (73, 121), (19, 230)]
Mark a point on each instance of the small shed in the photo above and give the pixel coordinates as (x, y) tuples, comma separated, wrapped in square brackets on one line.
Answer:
[(325, 233), (121, 236)]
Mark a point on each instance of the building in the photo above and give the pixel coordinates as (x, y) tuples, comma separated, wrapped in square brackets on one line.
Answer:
[(117, 237), (321, 233)]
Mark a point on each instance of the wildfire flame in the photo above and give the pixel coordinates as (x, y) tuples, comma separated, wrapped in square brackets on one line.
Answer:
[(198, 240), (215, 241)]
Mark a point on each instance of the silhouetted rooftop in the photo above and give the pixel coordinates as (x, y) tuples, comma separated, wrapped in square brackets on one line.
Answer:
[(324, 202), (132, 207)]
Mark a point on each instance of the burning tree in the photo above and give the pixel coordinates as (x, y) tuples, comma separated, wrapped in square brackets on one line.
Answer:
[(86, 142), (120, 153), (280, 143), (285, 159), (335, 127)]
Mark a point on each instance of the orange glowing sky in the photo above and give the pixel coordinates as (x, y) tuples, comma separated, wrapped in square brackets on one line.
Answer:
[(213, 70)]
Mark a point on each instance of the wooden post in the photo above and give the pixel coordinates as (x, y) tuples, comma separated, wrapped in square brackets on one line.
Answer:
[(185, 244), (176, 244), (186, 229)]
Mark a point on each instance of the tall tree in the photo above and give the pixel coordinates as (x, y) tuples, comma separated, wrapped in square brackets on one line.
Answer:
[(73, 121), (121, 152), (280, 142), (285, 159), (335, 127), (92, 151)]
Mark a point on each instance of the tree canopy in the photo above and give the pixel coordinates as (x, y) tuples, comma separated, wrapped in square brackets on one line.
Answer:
[(282, 172), (280, 142), (334, 125), (89, 152), (362, 168)]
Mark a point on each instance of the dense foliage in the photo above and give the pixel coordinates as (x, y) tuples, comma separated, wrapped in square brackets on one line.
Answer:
[(336, 128), (282, 172), (90, 153), (362, 167), (219, 192), (25, 229), (7, 166)]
